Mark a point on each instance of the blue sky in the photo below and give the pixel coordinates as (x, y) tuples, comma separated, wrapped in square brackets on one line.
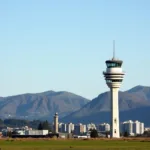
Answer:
[(62, 45)]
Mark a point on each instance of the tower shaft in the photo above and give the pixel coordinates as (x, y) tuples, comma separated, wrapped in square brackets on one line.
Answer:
[(115, 133)]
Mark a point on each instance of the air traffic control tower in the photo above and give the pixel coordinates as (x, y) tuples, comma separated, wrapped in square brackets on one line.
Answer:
[(114, 77)]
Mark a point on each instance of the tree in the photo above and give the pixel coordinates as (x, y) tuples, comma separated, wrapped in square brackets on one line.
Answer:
[(40, 126), (107, 133), (126, 134), (9, 134), (16, 122), (94, 133), (44, 126), (1, 121), (121, 134), (34, 124)]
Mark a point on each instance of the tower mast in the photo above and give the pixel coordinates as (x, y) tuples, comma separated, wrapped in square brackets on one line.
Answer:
[(113, 49)]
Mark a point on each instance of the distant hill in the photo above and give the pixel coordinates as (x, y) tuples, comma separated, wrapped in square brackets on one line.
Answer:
[(40, 105), (133, 104), (143, 91), (1, 98)]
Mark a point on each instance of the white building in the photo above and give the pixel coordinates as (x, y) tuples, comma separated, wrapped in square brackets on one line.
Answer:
[(59, 127), (91, 126), (136, 127), (141, 128), (132, 128), (62, 127), (104, 127), (85, 129), (79, 129), (128, 127), (70, 127)]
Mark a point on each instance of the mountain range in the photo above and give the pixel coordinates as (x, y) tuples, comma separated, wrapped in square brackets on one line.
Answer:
[(40, 105), (134, 104)]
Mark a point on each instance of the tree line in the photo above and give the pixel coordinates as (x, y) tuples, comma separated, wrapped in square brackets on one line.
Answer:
[(35, 124)]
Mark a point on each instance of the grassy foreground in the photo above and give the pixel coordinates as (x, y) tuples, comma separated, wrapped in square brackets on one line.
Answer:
[(49, 144)]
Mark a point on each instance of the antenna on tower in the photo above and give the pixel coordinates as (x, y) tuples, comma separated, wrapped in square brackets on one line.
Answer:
[(113, 49)]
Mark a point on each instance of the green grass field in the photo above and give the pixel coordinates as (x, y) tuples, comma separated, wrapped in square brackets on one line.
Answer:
[(47, 144)]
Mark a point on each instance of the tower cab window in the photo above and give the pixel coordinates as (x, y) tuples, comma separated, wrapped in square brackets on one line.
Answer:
[(113, 64)]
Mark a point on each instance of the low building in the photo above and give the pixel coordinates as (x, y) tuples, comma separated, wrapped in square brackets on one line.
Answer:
[(147, 129), (81, 136), (19, 132), (36, 132)]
